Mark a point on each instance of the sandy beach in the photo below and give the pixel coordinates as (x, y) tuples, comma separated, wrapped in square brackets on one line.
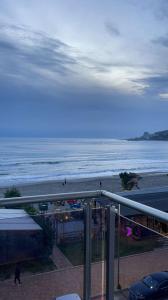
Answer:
[(112, 183)]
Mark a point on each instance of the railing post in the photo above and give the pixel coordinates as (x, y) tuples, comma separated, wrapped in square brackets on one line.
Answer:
[(118, 247), (87, 251), (110, 242)]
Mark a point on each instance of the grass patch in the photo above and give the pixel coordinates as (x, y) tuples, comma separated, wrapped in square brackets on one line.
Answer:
[(32, 267), (130, 246), (75, 251)]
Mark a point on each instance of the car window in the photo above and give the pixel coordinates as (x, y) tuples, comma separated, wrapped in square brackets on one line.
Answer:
[(150, 282), (164, 284)]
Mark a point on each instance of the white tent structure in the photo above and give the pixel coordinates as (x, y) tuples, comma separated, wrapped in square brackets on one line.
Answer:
[(16, 219), (21, 238)]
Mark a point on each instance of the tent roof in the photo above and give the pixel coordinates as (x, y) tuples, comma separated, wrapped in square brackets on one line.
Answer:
[(16, 219)]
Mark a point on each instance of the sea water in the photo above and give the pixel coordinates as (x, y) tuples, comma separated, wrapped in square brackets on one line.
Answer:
[(34, 160)]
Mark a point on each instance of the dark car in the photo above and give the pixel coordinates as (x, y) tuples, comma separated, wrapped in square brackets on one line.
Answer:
[(153, 286)]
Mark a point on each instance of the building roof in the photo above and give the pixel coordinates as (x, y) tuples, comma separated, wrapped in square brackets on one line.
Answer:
[(16, 219)]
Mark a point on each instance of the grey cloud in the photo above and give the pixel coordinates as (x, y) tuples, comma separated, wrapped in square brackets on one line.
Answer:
[(162, 10), (112, 29), (163, 41), (106, 66), (157, 83), (43, 51), (7, 46)]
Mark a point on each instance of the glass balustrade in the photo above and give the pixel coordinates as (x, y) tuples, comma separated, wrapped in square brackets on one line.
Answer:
[(55, 248)]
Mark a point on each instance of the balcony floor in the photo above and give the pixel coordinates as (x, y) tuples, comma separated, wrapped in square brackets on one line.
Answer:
[(58, 282)]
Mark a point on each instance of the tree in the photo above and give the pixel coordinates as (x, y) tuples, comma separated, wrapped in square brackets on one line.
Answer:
[(129, 180), (12, 192), (48, 233)]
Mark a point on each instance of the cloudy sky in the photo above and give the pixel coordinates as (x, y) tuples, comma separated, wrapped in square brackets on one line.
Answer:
[(83, 68)]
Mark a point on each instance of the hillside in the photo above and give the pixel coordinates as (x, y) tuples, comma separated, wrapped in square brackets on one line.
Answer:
[(156, 136)]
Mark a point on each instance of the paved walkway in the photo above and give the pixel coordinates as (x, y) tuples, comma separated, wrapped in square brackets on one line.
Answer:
[(47, 285), (59, 259), (134, 267), (119, 295)]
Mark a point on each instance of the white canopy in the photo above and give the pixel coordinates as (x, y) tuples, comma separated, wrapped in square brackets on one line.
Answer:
[(16, 219)]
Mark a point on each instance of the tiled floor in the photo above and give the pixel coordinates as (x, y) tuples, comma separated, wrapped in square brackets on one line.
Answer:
[(122, 295), (46, 286)]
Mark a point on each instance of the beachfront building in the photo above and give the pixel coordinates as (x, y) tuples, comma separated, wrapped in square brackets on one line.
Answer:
[(21, 238)]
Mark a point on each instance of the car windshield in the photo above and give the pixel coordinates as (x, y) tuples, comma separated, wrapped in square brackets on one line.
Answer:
[(150, 282)]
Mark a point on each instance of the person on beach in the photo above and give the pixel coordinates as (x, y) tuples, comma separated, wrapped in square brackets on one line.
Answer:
[(65, 181), (100, 183), (17, 274)]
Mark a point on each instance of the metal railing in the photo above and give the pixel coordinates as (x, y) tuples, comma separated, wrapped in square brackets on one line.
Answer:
[(110, 215), (161, 215)]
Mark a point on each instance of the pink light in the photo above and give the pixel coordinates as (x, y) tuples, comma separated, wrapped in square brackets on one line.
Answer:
[(128, 231)]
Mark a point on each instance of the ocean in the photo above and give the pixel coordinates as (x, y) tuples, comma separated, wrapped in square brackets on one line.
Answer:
[(36, 159)]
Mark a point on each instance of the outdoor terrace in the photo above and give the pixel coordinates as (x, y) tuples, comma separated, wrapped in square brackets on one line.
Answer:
[(92, 243)]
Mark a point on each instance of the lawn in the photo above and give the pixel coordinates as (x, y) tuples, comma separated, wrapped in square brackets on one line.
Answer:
[(31, 266), (74, 251)]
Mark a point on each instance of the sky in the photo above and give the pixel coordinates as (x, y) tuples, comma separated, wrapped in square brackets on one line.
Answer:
[(83, 68)]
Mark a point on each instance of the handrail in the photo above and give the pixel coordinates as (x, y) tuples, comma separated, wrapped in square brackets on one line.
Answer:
[(161, 215), (87, 194), (49, 197)]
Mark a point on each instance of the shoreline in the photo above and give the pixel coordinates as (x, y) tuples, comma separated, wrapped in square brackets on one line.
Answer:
[(110, 183), (81, 179)]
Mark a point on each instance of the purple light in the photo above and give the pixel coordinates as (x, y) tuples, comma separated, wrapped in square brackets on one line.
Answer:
[(128, 231)]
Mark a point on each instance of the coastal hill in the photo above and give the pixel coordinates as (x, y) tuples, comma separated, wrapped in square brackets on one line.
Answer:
[(156, 136)]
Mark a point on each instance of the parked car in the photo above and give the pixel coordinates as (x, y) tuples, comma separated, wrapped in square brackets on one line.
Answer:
[(153, 286), (68, 297)]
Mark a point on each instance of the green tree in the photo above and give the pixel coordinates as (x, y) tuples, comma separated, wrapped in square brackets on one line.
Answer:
[(129, 180), (12, 192), (48, 233)]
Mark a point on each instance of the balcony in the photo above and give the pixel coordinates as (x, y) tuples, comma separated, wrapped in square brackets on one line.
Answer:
[(95, 244)]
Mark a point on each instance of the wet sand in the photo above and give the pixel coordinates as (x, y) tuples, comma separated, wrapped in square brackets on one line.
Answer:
[(112, 183)]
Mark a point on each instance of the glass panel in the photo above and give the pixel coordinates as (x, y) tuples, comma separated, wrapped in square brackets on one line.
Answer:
[(98, 249), (46, 240), (143, 247), (42, 245)]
